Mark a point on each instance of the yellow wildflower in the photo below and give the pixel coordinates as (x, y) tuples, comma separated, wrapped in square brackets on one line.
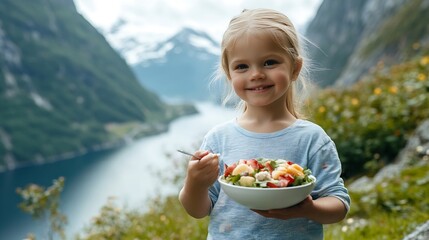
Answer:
[(421, 77), (322, 109), (336, 108), (355, 101), (393, 89), (424, 61), (377, 91)]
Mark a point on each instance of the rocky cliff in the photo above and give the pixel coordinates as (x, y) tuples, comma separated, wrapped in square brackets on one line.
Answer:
[(354, 36)]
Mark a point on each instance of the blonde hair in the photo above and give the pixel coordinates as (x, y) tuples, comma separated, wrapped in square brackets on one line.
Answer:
[(283, 33)]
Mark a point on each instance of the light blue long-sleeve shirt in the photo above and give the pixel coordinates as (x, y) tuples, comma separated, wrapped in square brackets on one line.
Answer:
[(304, 143)]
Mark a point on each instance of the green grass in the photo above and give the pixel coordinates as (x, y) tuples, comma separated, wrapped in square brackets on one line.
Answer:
[(121, 129)]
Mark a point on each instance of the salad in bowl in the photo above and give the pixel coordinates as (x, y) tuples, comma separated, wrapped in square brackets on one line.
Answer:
[(264, 184), (266, 173)]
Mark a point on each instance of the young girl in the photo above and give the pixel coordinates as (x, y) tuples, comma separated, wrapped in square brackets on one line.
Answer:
[(262, 61)]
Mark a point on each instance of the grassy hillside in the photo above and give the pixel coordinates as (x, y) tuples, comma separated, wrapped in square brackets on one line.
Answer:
[(371, 120)]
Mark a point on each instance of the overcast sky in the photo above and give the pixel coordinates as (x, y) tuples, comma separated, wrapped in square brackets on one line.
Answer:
[(156, 20)]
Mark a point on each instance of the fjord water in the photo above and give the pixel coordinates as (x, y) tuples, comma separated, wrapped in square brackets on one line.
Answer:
[(129, 174)]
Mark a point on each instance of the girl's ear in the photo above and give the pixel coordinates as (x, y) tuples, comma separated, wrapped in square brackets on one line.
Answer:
[(297, 69)]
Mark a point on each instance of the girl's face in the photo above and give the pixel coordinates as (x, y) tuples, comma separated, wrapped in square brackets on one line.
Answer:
[(260, 72)]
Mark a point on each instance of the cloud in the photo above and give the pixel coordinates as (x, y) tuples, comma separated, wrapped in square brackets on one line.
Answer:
[(159, 19)]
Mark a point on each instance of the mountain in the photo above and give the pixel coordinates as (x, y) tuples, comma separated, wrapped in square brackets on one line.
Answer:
[(352, 37), (63, 89), (180, 67)]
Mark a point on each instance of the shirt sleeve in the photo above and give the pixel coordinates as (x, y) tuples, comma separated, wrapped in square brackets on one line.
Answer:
[(326, 167), (208, 144)]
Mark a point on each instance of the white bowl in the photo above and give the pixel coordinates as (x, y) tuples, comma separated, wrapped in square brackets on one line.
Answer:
[(267, 198)]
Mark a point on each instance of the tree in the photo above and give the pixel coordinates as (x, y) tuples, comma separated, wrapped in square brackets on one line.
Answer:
[(43, 204)]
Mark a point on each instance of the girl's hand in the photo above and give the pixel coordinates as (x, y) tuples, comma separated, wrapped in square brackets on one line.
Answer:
[(295, 211), (324, 210), (201, 174), (204, 172)]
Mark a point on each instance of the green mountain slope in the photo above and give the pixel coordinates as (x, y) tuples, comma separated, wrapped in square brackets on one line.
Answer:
[(61, 84)]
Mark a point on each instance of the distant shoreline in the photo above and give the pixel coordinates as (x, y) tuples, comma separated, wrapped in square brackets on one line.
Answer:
[(146, 130)]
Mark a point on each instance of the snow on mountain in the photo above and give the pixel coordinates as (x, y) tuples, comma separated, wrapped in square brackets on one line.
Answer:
[(136, 48), (204, 43), (180, 65), (197, 44), (172, 68)]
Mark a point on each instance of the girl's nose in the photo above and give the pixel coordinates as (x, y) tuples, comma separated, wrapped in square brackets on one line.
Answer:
[(257, 74)]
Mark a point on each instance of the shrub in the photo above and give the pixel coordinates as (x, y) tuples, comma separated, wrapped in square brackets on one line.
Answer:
[(371, 120), (43, 204), (166, 219)]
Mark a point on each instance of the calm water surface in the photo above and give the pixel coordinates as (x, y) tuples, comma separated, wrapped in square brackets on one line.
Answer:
[(128, 174)]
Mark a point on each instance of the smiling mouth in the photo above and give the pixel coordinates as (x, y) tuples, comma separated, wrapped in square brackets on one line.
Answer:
[(261, 88)]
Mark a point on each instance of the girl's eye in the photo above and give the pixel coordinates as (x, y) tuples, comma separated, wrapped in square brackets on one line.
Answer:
[(241, 67), (270, 62)]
